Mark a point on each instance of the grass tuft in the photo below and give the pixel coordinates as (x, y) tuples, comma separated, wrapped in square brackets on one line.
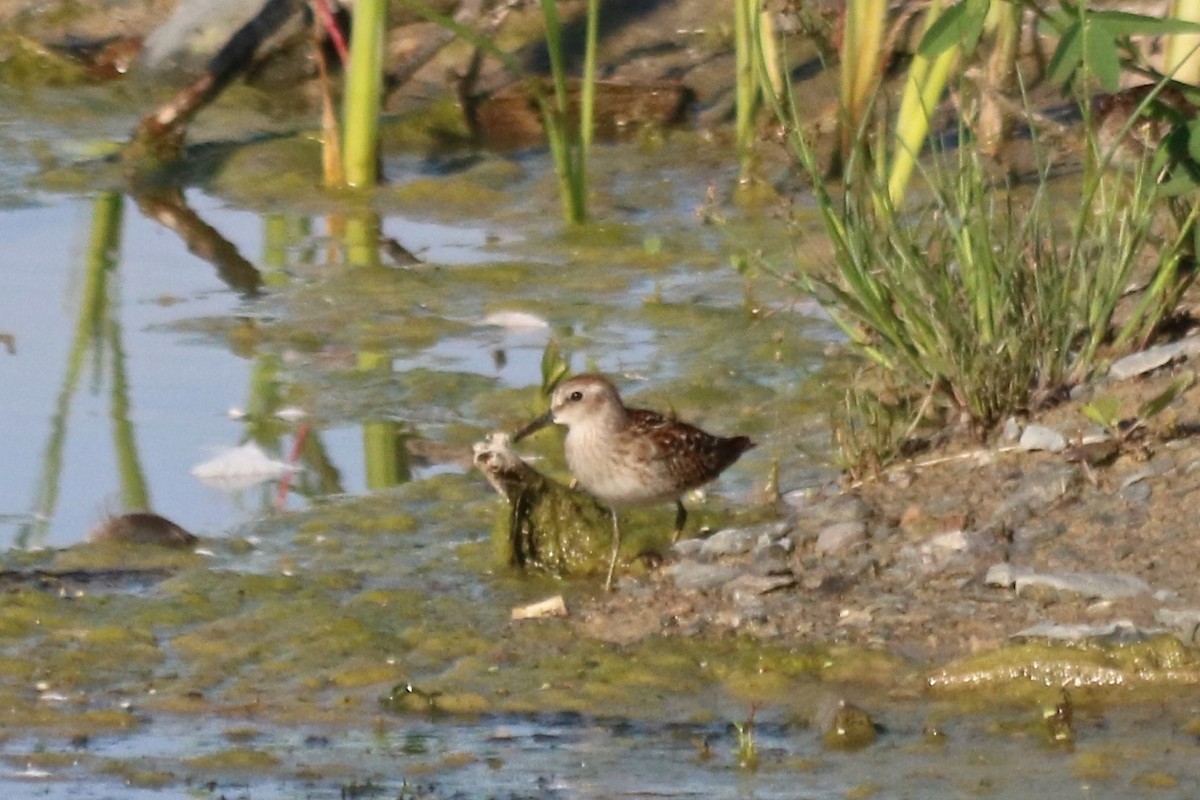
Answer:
[(982, 298)]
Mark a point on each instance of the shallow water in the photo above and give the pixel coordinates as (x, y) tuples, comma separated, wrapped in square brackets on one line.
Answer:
[(171, 320), (568, 756), (258, 667)]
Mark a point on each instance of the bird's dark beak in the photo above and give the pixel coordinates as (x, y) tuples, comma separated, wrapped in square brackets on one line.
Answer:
[(534, 426)]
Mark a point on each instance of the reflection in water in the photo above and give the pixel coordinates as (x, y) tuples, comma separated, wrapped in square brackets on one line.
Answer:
[(267, 422), (95, 326), (385, 450), (169, 208), (135, 494), (282, 235)]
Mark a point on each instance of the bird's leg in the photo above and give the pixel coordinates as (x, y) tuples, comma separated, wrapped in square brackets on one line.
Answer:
[(680, 518), (616, 543)]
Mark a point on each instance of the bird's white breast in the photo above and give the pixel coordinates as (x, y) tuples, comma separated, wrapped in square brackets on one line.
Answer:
[(612, 472)]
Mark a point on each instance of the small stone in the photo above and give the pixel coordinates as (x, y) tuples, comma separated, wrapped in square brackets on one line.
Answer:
[(1153, 358), (1039, 437), (1135, 476), (700, 577), (1138, 493), (882, 532), (1003, 575), (1119, 632), (765, 549), (843, 508), (772, 561), (688, 548), (912, 516), (728, 542), (1184, 622), (757, 584), (845, 726), (841, 536), (142, 528), (1038, 489), (1105, 586), (745, 540), (952, 541), (1037, 530), (800, 500)]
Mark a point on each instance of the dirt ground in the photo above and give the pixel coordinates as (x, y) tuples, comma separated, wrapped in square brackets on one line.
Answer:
[(914, 581)]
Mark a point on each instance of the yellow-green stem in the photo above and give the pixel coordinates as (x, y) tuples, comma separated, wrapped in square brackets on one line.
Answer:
[(861, 56), (924, 86), (364, 91), (743, 13), (1181, 57)]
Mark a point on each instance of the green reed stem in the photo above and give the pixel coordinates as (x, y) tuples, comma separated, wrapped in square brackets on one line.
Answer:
[(364, 93), (570, 140)]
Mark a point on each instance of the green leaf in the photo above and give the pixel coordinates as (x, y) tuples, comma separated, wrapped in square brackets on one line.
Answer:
[(554, 366), (1178, 183), (1105, 411), (1193, 141), (1101, 55), (1126, 23), (958, 26), (1155, 405), (1067, 56)]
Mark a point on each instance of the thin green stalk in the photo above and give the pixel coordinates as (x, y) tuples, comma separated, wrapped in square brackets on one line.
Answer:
[(554, 49), (364, 93), (587, 103), (743, 40), (570, 144)]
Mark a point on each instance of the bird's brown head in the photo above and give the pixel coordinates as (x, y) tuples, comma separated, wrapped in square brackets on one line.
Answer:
[(582, 400)]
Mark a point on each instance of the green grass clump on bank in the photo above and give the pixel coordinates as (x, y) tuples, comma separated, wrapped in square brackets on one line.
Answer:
[(983, 297)]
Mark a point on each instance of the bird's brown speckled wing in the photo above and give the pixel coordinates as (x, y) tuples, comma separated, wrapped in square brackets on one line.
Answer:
[(691, 457)]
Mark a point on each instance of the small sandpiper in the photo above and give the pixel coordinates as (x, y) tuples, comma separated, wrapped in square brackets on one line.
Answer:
[(627, 457)]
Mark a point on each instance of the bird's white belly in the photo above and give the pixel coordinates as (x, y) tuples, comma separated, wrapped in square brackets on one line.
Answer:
[(613, 475)]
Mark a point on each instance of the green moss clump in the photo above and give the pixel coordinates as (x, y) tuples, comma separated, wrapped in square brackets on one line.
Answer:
[(1028, 669)]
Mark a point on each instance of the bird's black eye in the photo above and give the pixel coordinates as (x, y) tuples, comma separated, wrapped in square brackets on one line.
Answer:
[(576, 396)]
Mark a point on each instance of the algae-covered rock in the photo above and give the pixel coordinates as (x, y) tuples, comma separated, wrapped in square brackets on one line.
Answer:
[(1160, 661), (549, 526)]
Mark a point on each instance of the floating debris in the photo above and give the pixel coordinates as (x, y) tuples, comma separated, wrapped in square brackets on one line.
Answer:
[(550, 607), (516, 321), (240, 468)]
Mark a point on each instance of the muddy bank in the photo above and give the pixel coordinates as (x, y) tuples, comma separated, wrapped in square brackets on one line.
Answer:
[(961, 552)]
